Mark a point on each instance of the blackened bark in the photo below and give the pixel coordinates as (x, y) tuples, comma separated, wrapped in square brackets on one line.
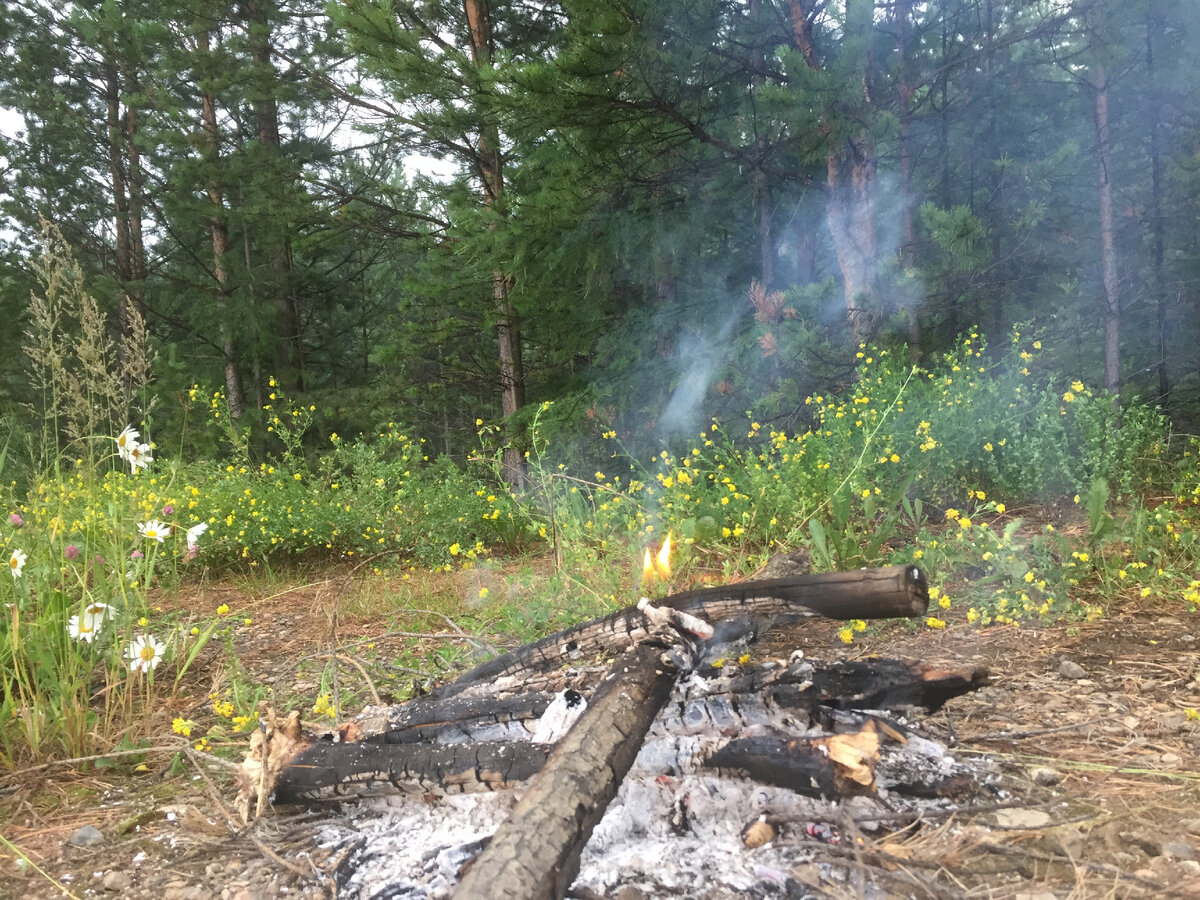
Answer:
[(457, 745), (887, 592), (536, 852), (323, 768)]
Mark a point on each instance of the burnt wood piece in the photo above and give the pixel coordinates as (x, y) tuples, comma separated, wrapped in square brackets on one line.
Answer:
[(805, 765), (461, 718), (535, 854), (880, 593), (450, 749), (325, 768), (882, 684), (802, 687)]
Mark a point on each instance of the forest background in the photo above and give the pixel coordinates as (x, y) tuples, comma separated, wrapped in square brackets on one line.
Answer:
[(764, 274), (651, 214)]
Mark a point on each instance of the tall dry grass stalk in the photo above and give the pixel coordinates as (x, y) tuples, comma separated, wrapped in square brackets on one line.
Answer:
[(88, 383)]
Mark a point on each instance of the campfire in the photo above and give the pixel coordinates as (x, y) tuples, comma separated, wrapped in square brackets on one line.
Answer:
[(647, 750)]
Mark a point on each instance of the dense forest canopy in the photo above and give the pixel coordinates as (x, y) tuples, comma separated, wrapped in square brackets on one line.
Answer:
[(657, 213)]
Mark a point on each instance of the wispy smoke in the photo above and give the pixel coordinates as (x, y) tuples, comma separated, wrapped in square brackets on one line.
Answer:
[(697, 356)]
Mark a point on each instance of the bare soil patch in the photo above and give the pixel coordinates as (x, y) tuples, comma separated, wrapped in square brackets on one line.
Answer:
[(1088, 721)]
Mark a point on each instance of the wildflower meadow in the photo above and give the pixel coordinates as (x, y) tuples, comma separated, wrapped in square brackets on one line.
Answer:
[(1026, 498)]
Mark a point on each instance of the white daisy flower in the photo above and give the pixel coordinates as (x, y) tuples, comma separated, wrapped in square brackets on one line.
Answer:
[(144, 652), (193, 534), (139, 457), (154, 529), (16, 562), (127, 440), (83, 628), (99, 613)]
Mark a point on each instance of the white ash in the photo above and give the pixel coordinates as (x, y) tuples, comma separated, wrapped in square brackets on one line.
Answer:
[(403, 846), (643, 840), (674, 828), (559, 716)]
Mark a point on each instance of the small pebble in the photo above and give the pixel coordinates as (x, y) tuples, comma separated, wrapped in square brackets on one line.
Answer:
[(1045, 776), (116, 881), (1072, 670), (87, 836), (1178, 849)]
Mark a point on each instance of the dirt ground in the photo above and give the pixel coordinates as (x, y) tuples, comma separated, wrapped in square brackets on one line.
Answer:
[(1089, 722)]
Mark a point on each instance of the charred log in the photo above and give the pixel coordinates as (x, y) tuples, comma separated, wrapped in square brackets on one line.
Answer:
[(880, 593), (475, 734), (465, 718), (536, 852), (731, 700), (885, 684), (324, 767)]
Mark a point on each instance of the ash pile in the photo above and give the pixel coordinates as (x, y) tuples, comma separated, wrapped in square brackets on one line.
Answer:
[(639, 755), (753, 780)]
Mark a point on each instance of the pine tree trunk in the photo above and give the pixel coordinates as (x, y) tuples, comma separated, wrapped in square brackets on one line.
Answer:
[(1156, 216), (851, 214), (137, 246), (220, 241), (120, 191), (508, 330), (1108, 252), (288, 343), (763, 194)]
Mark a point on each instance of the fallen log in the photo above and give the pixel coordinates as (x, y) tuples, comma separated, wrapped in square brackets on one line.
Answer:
[(536, 852), (888, 592)]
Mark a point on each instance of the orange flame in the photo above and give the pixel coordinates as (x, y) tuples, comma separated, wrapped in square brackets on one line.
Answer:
[(658, 566)]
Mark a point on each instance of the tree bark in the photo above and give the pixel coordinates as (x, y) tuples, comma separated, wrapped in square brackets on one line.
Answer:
[(324, 768), (137, 191), (1158, 241), (482, 743), (220, 236), (1108, 252), (905, 91), (850, 210), (490, 170), (885, 592), (763, 194), (116, 167), (289, 356)]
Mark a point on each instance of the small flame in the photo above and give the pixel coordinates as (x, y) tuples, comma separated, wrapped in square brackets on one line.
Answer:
[(658, 566), (663, 563)]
